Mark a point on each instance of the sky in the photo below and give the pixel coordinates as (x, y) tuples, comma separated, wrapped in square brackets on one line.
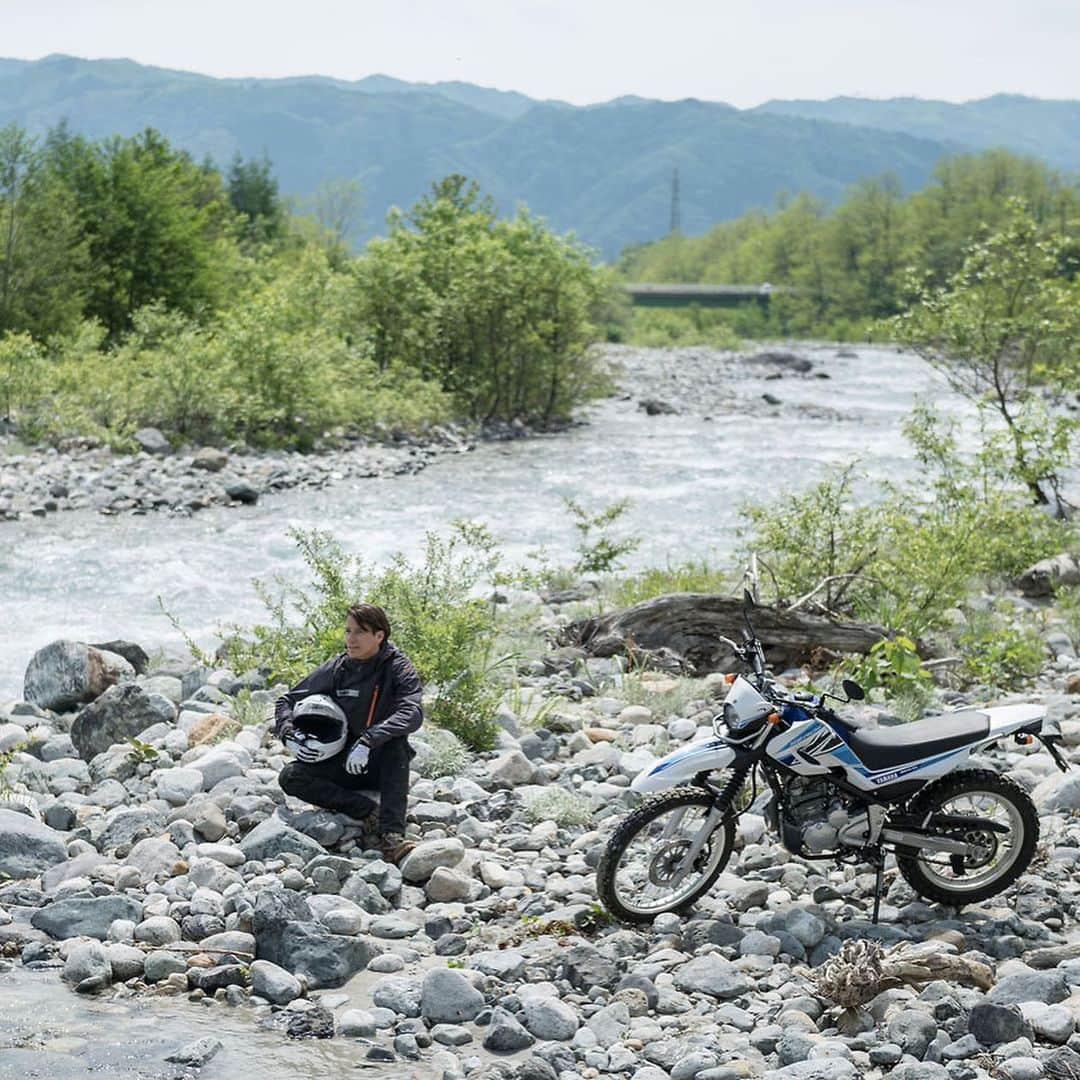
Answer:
[(585, 51)]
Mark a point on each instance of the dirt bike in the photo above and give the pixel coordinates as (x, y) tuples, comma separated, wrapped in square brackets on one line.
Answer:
[(838, 792)]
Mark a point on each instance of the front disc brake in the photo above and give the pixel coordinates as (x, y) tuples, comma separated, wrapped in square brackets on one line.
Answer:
[(665, 864)]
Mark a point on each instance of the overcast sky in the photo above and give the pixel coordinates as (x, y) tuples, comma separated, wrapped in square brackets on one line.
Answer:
[(743, 52)]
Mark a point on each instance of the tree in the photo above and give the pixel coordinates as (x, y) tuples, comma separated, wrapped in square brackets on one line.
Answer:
[(498, 312), (154, 223), (1005, 331), (42, 256), (337, 203), (253, 194)]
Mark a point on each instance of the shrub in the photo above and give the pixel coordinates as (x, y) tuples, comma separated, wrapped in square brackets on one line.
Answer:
[(598, 551), (497, 312), (998, 652), (894, 665), (447, 755), (558, 805), (437, 620), (904, 560), (691, 576)]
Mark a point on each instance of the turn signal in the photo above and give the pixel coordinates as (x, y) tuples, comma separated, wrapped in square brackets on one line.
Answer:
[(773, 718), (730, 677), (1024, 740)]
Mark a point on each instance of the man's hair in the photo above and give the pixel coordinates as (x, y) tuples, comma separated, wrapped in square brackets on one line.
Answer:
[(370, 617)]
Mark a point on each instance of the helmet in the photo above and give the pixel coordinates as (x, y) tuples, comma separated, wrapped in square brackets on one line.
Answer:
[(320, 729)]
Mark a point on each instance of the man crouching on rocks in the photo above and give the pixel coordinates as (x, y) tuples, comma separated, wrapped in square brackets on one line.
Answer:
[(378, 690)]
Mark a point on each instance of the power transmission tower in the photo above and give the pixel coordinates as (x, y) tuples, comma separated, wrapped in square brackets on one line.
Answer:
[(675, 225)]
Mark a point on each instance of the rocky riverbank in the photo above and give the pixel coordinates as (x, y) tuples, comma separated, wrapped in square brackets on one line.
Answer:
[(39, 481), (160, 858)]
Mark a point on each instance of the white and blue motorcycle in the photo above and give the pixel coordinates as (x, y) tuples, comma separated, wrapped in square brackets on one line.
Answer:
[(838, 792)]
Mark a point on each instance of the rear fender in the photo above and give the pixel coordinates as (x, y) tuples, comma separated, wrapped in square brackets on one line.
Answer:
[(684, 764), (1009, 719), (1027, 720)]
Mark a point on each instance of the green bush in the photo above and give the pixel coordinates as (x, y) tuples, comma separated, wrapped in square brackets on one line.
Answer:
[(21, 363), (449, 756), (558, 805), (660, 328), (497, 312), (999, 652), (598, 551), (690, 576), (906, 559), (894, 665), (436, 618)]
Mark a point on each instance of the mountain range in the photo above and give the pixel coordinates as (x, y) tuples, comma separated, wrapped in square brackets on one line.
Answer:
[(603, 171)]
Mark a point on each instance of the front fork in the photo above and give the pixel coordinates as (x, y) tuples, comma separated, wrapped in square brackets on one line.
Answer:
[(722, 809)]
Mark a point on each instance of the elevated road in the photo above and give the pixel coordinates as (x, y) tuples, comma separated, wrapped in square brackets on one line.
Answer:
[(672, 294)]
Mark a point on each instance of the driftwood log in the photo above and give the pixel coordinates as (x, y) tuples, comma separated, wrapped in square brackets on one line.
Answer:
[(691, 625)]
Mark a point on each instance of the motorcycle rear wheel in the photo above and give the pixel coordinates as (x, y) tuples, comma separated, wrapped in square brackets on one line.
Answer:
[(1002, 858), (637, 877)]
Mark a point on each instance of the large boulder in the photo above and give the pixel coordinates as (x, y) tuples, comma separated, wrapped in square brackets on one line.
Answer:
[(286, 934), (1049, 575), (85, 916), (64, 674), (88, 967), (133, 653), (28, 847), (1046, 986), (447, 997), (274, 983), (273, 837), (152, 441), (126, 825), (421, 862), (713, 975), (118, 715), (1058, 792), (326, 959)]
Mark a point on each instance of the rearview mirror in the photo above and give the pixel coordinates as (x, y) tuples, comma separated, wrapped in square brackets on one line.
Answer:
[(747, 601), (853, 690)]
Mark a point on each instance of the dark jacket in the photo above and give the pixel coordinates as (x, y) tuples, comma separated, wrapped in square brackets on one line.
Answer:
[(380, 697)]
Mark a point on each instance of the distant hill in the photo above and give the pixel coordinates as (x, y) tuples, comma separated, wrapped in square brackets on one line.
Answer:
[(1046, 129), (603, 171)]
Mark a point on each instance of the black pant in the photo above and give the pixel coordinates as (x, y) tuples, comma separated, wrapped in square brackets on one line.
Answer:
[(327, 784)]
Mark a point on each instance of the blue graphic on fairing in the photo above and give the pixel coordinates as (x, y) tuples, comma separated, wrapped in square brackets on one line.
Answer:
[(844, 754), (690, 751)]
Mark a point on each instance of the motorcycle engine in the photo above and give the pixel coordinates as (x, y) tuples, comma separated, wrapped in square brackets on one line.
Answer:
[(817, 818)]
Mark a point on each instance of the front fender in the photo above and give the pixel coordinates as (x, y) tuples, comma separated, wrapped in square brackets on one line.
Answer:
[(684, 764)]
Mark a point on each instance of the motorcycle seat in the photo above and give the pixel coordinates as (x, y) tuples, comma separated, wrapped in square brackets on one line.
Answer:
[(888, 748)]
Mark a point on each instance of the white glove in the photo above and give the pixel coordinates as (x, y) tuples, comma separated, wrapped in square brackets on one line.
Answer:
[(357, 761), (300, 749), (308, 754)]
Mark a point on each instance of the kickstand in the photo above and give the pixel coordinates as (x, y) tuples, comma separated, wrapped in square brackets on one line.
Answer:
[(879, 871)]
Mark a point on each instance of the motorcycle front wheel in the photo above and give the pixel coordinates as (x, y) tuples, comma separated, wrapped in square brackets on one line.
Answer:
[(664, 855), (996, 858)]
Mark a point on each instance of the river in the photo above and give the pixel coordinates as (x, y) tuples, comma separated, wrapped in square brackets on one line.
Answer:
[(96, 578)]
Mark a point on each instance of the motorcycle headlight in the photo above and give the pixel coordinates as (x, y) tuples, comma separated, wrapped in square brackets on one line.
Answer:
[(733, 721)]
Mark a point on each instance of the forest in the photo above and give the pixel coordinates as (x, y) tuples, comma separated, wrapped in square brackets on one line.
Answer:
[(863, 261), (139, 287)]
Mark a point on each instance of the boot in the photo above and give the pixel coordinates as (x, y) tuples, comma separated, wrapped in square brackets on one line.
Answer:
[(394, 847)]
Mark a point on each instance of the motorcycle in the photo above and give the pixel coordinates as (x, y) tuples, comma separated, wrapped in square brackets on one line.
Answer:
[(837, 792)]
